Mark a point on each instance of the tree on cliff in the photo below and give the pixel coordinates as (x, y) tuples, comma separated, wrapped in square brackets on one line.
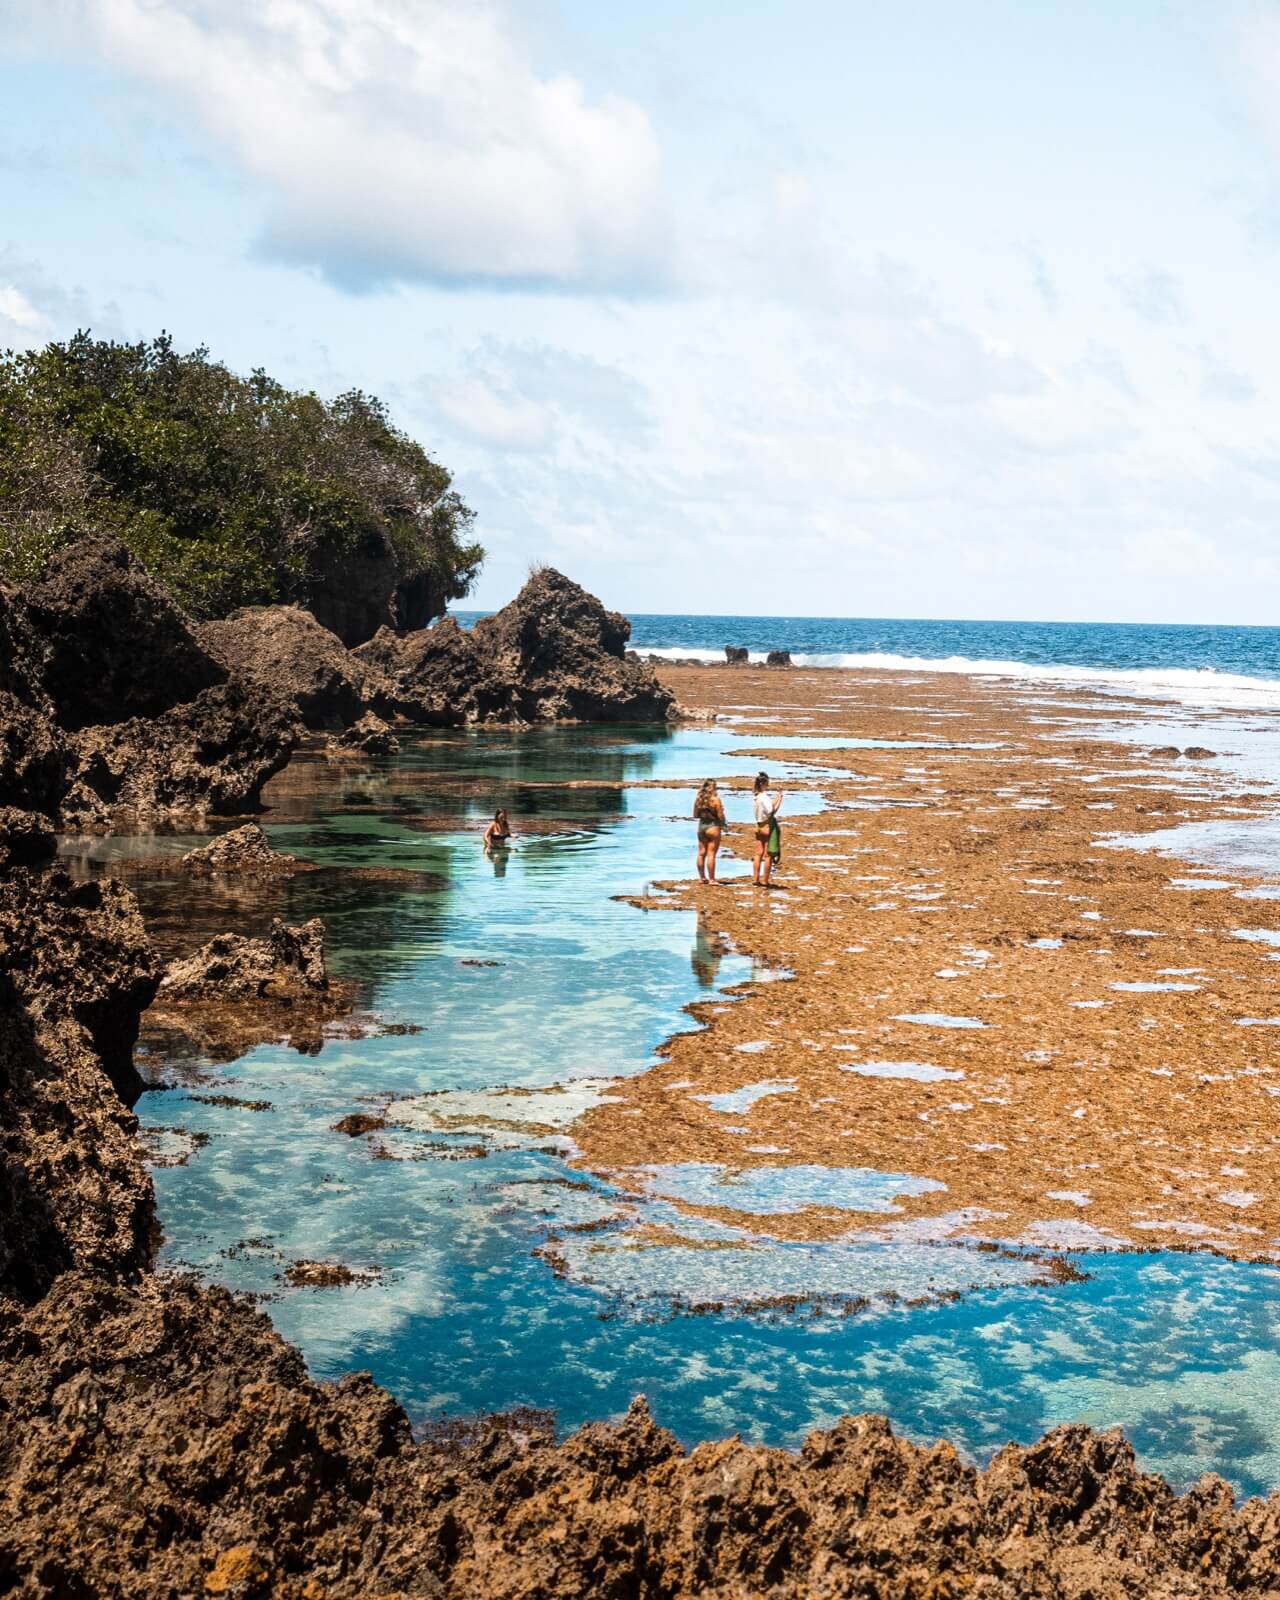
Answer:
[(234, 491)]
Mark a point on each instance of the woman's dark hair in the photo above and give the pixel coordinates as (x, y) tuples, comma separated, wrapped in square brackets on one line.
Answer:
[(762, 781), (500, 815)]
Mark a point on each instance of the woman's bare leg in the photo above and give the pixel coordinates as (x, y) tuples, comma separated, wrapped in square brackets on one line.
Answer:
[(702, 859), (713, 850), (755, 865)]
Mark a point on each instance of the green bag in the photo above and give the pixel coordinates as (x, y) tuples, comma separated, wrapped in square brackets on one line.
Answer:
[(774, 846)]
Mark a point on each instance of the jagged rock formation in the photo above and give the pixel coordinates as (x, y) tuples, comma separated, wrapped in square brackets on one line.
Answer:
[(75, 973), (355, 591), (109, 703), (209, 757), (244, 852), (288, 963), (235, 993), (107, 642), (26, 838), (290, 656), (371, 736), (553, 654)]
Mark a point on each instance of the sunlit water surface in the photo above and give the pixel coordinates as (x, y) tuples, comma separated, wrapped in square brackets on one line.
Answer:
[(499, 1275)]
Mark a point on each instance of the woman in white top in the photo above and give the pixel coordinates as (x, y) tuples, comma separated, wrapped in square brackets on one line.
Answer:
[(767, 807)]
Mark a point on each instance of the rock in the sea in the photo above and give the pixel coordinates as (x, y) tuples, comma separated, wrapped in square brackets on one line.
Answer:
[(553, 655), (110, 641), (1197, 752), (736, 655), (371, 736), (287, 654), (778, 658), (26, 838), (76, 971), (289, 962), (1166, 752), (208, 757), (245, 852)]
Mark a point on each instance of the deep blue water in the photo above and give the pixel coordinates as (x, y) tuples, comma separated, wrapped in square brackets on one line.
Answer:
[(1204, 664)]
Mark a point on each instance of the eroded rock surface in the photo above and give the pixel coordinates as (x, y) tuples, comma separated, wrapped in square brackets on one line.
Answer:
[(290, 656), (209, 757), (370, 736), (553, 654), (109, 641), (243, 852), (75, 972), (288, 963)]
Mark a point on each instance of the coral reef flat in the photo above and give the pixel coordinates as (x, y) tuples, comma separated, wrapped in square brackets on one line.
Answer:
[(962, 1125)]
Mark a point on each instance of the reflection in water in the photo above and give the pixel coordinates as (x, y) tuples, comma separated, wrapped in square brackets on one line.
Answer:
[(507, 1275), (709, 949), (498, 859)]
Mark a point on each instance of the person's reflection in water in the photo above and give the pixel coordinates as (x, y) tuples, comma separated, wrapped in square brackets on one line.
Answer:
[(708, 952), (499, 859)]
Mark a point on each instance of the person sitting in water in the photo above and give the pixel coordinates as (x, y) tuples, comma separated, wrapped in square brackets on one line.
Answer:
[(708, 808), (768, 834), (498, 832)]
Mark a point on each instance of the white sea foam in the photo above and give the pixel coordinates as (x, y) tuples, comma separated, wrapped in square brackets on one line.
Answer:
[(1197, 686)]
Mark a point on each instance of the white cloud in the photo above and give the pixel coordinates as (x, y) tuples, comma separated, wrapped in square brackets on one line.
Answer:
[(17, 312), (396, 140)]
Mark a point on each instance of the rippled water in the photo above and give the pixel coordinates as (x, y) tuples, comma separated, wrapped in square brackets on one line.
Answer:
[(498, 1274)]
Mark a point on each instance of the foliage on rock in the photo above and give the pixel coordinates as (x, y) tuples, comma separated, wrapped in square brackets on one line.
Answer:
[(233, 491)]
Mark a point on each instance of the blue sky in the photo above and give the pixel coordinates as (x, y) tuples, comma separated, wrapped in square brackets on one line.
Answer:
[(922, 309)]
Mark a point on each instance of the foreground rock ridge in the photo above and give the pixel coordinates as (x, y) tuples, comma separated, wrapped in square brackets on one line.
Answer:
[(159, 1439)]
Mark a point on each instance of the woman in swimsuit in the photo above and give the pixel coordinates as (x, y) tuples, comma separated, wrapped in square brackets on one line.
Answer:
[(767, 807), (498, 832), (708, 808)]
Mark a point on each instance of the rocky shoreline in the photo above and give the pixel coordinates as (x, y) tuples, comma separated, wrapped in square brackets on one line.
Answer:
[(160, 1439)]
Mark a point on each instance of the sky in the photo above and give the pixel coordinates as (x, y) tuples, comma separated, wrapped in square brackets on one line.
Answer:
[(837, 308)]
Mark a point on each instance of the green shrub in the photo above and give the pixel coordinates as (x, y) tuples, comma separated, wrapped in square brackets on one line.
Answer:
[(229, 489)]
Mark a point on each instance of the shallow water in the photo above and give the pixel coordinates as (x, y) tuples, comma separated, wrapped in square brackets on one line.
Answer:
[(501, 1275)]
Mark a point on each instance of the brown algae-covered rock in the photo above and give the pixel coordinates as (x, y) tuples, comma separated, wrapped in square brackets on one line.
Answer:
[(290, 656), (244, 852)]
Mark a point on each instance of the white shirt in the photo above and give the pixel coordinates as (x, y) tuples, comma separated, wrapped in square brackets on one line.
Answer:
[(764, 808)]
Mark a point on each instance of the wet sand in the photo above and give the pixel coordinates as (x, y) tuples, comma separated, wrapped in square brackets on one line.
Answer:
[(1087, 1109)]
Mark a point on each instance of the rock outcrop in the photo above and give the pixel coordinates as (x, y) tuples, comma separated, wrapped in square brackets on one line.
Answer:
[(243, 852), (236, 993), (110, 704), (108, 641), (371, 736), (554, 654), (208, 757), (290, 656), (736, 655), (75, 972), (26, 838), (288, 963)]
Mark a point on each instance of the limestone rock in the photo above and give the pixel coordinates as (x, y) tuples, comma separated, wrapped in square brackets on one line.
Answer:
[(289, 961), (290, 656), (26, 837), (736, 655), (209, 757), (553, 655), (112, 642), (778, 658), (430, 677), (244, 852), (75, 973), (371, 736), (35, 758)]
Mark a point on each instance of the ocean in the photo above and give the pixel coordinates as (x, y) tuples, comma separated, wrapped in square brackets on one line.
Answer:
[(1195, 664)]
